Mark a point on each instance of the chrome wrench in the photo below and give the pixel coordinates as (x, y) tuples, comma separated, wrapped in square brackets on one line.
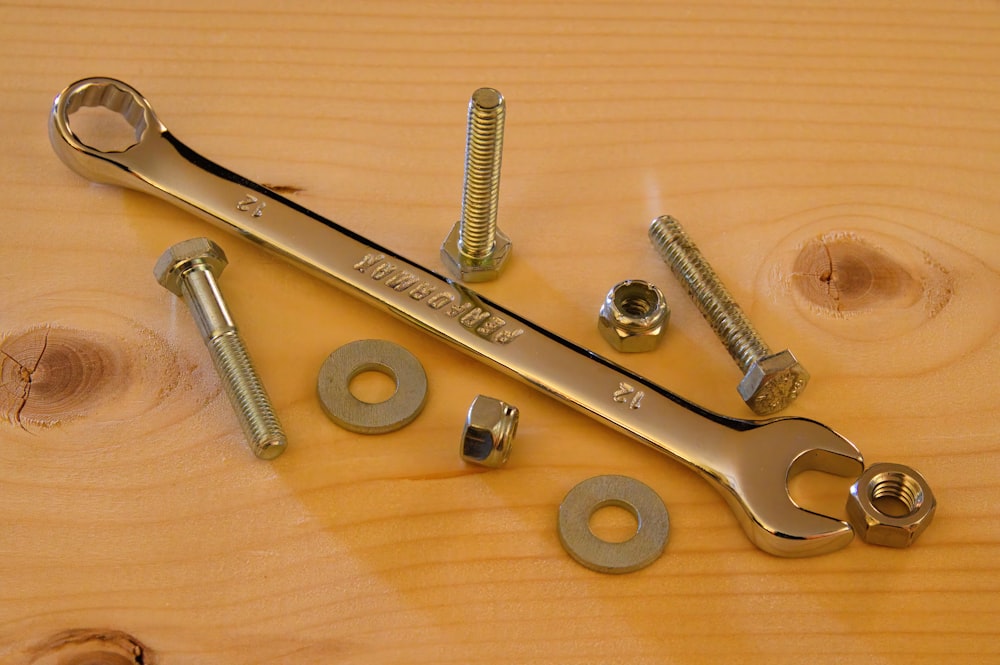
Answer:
[(749, 462)]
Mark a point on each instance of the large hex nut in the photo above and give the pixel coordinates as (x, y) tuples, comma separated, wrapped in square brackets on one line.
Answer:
[(890, 481), (633, 316), (489, 432), (184, 256)]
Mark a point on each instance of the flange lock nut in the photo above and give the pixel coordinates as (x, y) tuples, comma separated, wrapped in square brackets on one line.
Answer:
[(489, 432), (633, 316)]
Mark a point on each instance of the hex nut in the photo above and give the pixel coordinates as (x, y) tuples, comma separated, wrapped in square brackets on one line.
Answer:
[(895, 481), (471, 269), (634, 316), (489, 432), (773, 382), (183, 256)]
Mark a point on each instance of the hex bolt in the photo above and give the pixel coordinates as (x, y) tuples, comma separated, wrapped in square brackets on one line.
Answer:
[(476, 250), (189, 269), (771, 381)]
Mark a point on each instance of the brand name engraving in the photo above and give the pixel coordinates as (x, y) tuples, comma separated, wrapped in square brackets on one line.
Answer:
[(484, 323)]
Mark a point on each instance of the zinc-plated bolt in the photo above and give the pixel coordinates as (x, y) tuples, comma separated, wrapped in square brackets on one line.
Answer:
[(476, 250), (771, 381), (189, 270)]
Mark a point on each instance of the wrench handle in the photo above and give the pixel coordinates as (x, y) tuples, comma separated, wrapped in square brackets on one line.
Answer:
[(440, 306)]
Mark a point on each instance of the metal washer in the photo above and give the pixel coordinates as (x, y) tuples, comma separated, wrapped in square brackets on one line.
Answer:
[(595, 493), (367, 355)]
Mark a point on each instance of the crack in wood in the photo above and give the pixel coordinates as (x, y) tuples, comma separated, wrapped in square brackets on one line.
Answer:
[(24, 375)]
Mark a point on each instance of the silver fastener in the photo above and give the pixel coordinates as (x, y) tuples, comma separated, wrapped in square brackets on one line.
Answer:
[(189, 269), (771, 381), (892, 482), (489, 432), (372, 355), (633, 316), (476, 250)]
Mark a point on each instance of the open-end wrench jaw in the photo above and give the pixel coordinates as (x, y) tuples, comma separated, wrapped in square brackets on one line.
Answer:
[(769, 457), (750, 462)]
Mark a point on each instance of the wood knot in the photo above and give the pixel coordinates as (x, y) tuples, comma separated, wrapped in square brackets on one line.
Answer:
[(92, 647), (48, 375), (843, 274)]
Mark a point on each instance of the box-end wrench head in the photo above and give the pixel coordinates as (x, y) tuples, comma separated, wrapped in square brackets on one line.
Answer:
[(749, 462)]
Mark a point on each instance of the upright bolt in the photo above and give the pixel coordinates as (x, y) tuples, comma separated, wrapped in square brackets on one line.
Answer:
[(476, 250), (771, 381), (189, 270)]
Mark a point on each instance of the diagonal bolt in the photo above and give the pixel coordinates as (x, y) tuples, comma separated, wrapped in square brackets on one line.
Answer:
[(771, 381), (189, 270)]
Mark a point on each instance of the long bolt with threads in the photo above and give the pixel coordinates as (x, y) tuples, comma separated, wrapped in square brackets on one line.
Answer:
[(771, 381), (189, 270)]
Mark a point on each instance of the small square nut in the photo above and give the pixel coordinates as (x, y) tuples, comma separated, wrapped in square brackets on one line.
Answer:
[(634, 316), (489, 432), (890, 481)]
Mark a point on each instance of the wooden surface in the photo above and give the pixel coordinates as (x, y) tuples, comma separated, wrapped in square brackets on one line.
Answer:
[(838, 162)]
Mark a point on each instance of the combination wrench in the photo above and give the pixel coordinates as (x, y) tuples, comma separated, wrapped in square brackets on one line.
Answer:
[(749, 462)]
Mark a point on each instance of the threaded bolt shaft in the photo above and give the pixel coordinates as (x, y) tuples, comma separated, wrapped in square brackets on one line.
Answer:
[(188, 269), (771, 381), (247, 395), (708, 292), (481, 190)]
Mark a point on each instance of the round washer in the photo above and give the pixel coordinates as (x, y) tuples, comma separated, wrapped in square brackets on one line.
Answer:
[(595, 493), (368, 355)]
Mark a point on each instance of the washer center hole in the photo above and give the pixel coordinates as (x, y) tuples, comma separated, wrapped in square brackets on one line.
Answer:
[(614, 523), (373, 384)]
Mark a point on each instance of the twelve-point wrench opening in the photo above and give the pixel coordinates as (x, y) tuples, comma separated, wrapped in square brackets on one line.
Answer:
[(104, 116)]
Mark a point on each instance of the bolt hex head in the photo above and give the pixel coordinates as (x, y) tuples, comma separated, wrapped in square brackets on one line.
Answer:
[(469, 269), (773, 382), (183, 256)]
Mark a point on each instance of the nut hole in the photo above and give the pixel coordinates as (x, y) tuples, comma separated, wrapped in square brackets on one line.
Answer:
[(636, 299), (895, 494), (614, 522), (635, 306)]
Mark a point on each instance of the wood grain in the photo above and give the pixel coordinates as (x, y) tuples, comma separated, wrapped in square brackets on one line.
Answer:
[(838, 163)]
